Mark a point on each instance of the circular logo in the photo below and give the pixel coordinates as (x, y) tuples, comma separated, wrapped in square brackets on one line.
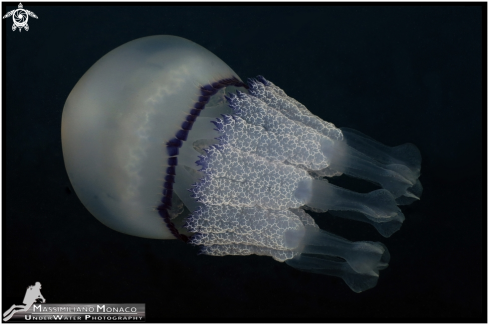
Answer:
[(20, 17)]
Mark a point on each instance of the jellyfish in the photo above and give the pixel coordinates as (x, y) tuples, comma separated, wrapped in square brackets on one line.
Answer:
[(162, 139)]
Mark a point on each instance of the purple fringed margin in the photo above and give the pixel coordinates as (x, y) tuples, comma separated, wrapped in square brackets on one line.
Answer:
[(172, 146)]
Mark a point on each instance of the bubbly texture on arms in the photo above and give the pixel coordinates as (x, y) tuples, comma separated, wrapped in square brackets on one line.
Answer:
[(266, 169), (161, 139)]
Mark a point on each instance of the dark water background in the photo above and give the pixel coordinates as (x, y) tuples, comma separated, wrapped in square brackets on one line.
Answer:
[(399, 74)]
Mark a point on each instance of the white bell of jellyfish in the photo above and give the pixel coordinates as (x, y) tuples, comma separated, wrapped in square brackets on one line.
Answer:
[(161, 139)]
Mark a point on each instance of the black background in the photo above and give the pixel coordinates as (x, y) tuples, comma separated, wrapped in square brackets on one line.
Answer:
[(399, 74)]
